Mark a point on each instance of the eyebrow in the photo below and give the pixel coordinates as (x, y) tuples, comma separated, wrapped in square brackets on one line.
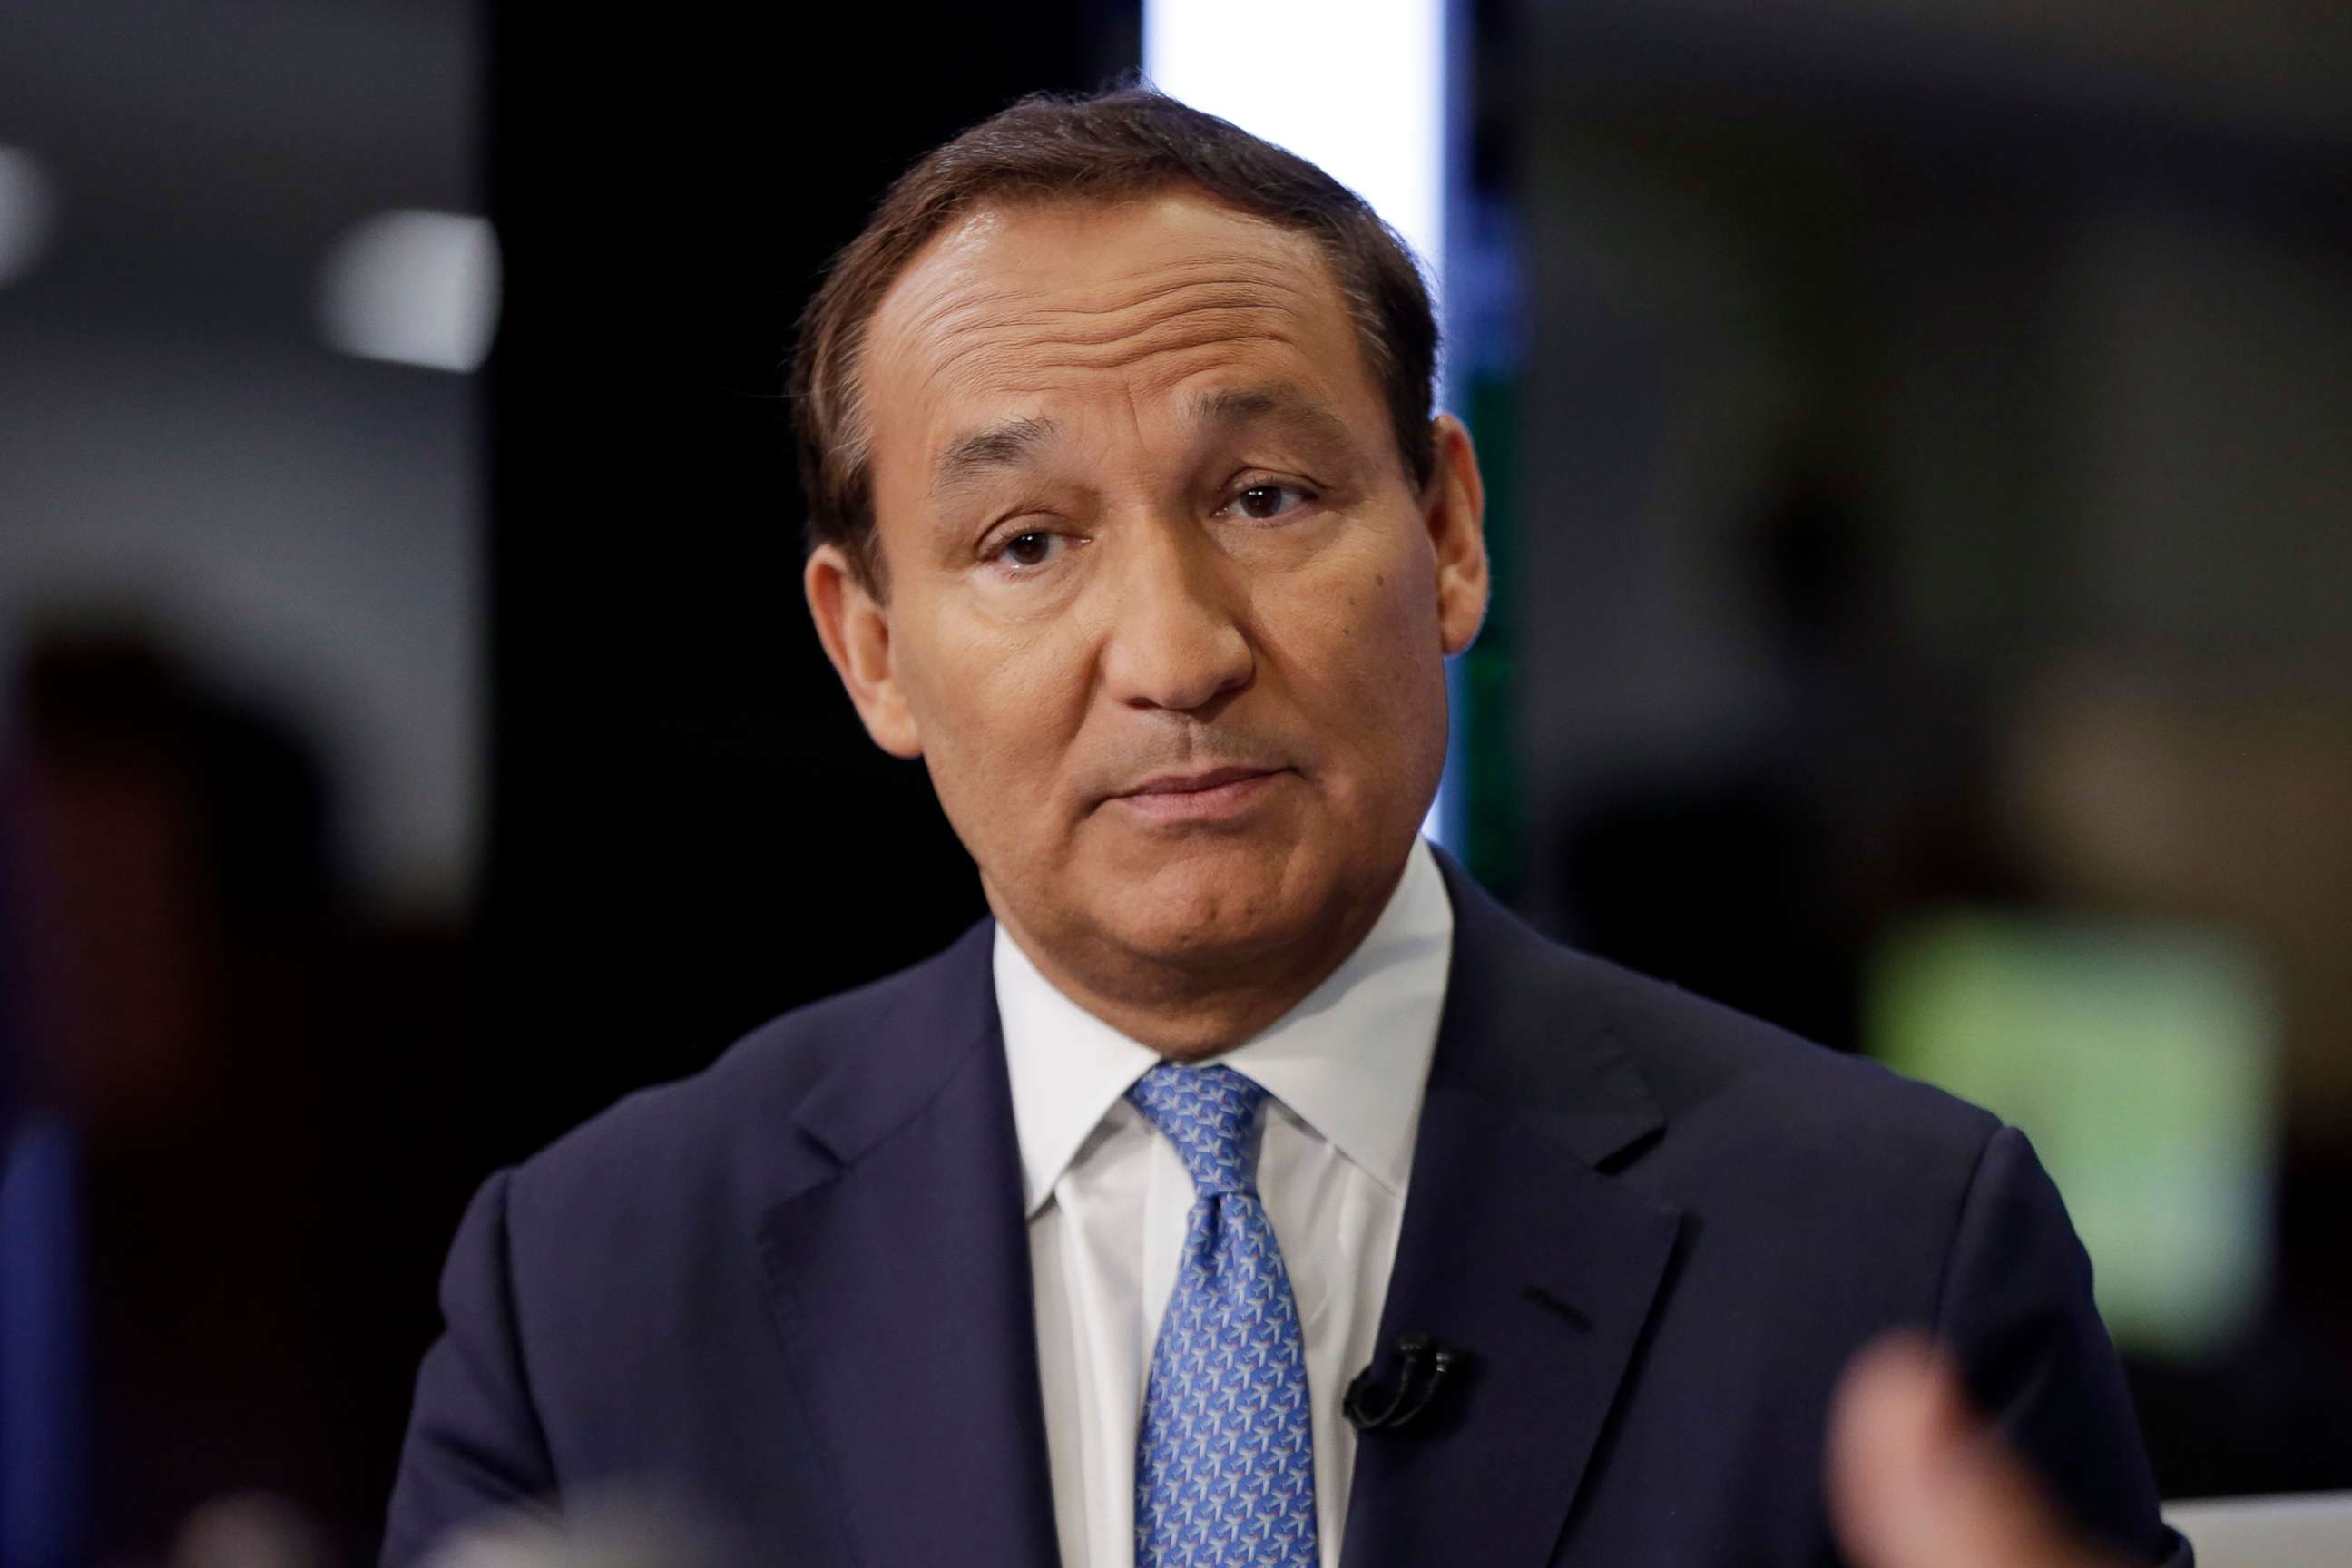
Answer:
[(1013, 442), (1004, 445), (1280, 403)]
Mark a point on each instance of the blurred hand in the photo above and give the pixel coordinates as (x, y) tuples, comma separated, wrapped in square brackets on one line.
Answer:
[(249, 1530), (1915, 1480), (614, 1529)]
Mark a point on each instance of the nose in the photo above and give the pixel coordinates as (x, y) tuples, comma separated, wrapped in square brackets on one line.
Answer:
[(1176, 640)]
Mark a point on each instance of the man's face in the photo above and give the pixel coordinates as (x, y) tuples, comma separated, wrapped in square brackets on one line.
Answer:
[(1165, 615)]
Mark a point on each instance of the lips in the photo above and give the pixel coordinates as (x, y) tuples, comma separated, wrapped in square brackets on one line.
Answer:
[(1195, 784), (1227, 795)]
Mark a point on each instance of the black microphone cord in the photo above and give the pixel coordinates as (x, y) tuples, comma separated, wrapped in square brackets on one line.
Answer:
[(1413, 1389)]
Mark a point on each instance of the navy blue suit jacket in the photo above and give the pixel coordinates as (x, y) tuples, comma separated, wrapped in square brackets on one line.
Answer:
[(798, 1285)]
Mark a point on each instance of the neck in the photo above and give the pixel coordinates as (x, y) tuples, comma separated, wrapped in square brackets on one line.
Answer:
[(1190, 1010)]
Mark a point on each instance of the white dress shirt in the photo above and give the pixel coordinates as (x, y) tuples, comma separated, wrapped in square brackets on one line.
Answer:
[(1107, 1197)]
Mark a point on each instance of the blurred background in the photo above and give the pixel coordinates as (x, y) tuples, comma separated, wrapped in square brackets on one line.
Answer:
[(1920, 440)]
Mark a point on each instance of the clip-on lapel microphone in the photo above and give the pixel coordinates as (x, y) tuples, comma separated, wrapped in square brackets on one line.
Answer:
[(1427, 1368)]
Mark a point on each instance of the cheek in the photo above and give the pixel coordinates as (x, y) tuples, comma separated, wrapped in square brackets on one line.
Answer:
[(1359, 669), (997, 707), (1363, 640)]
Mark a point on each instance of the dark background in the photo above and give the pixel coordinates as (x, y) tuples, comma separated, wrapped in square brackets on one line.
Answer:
[(688, 828), (1919, 444)]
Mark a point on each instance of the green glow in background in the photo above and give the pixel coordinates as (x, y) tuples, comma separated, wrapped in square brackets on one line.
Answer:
[(2142, 1061)]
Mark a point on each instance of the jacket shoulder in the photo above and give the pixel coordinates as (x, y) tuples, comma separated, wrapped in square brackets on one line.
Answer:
[(1570, 1029), (1702, 1060), (738, 1120), (1756, 1120)]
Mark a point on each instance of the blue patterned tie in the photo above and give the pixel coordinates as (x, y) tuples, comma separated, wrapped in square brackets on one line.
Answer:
[(1224, 1468)]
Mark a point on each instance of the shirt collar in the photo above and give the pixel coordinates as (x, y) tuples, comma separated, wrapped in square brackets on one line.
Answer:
[(1350, 1059)]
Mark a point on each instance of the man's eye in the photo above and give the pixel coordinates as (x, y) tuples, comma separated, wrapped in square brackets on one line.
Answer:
[(1262, 502), (1032, 548)]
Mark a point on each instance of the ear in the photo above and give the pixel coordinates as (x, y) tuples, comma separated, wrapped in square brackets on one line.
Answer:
[(854, 627), (1453, 509)]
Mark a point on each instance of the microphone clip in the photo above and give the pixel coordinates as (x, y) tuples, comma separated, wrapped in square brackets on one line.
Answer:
[(1426, 1366)]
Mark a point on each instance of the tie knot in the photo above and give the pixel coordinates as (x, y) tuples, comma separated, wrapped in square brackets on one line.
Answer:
[(1211, 1115)]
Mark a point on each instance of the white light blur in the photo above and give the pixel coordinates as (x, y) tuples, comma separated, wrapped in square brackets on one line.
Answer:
[(1356, 87), (27, 210), (413, 288)]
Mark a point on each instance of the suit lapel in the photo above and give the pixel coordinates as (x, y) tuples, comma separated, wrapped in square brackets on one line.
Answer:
[(901, 1289), (1519, 1252), (897, 1265)]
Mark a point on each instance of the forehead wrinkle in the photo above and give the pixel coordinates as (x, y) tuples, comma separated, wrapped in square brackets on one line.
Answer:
[(1245, 277), (954, 288), (1086, 317), (944, 305), (975, 361), (1077, 321), (1246, 282), (943, 312), (1084, 327), (1004, 330)]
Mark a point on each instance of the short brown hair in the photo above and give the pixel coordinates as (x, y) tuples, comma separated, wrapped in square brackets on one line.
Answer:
[(1104, 147)]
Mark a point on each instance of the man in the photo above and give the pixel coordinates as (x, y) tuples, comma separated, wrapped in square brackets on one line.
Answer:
[(1131, 520)]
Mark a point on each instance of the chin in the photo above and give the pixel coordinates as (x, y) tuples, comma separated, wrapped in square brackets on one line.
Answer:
[(1225, 949), (1211, 901)]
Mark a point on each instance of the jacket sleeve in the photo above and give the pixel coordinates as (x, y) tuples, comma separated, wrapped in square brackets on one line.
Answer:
[(474, 1441), (2016, 1309)]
